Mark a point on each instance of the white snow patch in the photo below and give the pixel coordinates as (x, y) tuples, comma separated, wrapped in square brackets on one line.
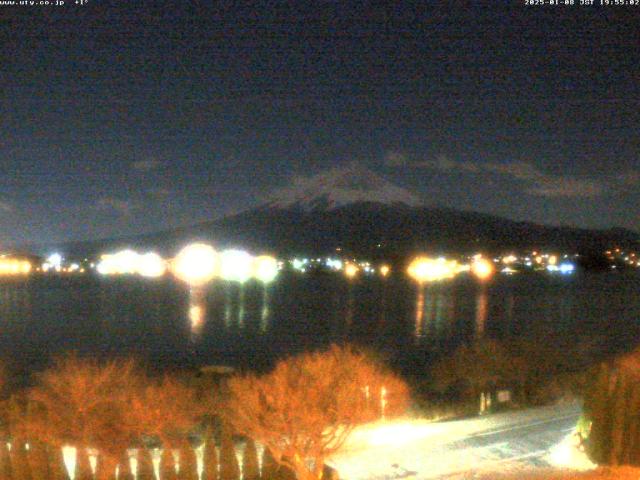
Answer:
[(338, 187), (411, 449), (567, 454), (510, 442)]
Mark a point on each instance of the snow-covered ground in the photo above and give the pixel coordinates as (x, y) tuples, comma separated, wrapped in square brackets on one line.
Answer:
[(506, 442)]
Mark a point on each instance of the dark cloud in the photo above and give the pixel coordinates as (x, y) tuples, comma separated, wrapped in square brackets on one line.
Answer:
[(537, 182), (123, 207), (629, 179), (396, 159), (6, 206), (548, 186), (159, 193), (146, 165)]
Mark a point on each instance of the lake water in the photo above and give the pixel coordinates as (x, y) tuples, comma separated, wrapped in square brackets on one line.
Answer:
[(163, 322)]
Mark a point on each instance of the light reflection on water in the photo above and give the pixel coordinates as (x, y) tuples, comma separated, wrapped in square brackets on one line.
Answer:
[(419, 314), (265, 310), (241, 307), (227, 305), (435, 315), (348, 315), (197, 310), (482, 311), (253, 323)]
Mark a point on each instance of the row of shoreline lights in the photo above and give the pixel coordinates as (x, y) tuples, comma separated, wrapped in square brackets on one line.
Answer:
[(13, 266), (196, 265), (199, 263), (426, 269)]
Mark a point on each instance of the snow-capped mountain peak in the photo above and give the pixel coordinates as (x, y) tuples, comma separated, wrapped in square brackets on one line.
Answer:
[(338, 187)]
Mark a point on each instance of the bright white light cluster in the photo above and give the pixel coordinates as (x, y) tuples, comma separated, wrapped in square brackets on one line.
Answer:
[(14, 266), (236, 266), (367, 268), (425, 269), (128, 262), (196, 264), (482, 268), (300, 264), (199, 263), (351, 270), (334, 264), (53, 262), (151, 265), (564, 268), (265, 268)]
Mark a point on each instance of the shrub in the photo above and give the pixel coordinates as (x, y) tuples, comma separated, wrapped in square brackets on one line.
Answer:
[(304, 410), (83, 403)]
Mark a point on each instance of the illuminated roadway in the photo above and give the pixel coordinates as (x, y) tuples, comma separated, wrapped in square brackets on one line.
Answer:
[(415, 449)]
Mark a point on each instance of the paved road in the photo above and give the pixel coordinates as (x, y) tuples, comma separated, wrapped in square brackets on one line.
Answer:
[(507, 442)]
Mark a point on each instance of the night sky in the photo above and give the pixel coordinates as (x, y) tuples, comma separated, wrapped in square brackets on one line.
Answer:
[(119, 118)]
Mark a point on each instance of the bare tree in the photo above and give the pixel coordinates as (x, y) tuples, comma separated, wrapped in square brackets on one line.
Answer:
[(82, 403), (477, 367), (166, 409), (304, 410)]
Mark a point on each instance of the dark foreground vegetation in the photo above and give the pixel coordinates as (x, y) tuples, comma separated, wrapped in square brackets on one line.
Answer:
[(532, 370), (120, 421), (117, 420), (612, 411)]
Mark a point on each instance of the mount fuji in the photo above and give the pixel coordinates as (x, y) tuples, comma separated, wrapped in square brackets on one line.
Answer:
[(339, 187), (362, 213)]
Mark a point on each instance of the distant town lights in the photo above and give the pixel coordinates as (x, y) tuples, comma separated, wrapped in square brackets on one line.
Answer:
[(299, 264), (351, 270), (385, 270), (482, 268), (117, 263), (14, 266), (126, 262), (151, 265), (334, 263), (509, 259), (425, 269), (566, 268), (196, 264), (54, 260), (265, 268), (236, 265)]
